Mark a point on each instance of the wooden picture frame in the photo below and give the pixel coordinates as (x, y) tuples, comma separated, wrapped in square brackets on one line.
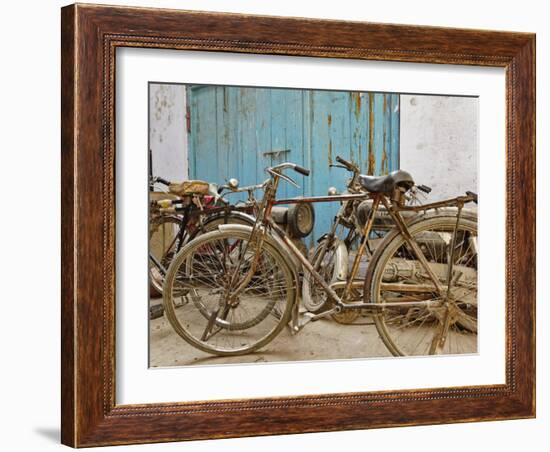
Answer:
[(90, 36)]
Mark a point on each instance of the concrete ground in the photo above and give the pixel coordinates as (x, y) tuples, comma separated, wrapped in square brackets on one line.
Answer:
[(323, 339)]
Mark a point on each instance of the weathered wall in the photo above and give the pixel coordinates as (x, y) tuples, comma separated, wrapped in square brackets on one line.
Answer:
[(168, 131), (438, 139), (439, 142)]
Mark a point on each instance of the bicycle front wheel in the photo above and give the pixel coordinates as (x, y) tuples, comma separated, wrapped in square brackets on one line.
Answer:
[(414, 317), (314, 298), (204, 306)]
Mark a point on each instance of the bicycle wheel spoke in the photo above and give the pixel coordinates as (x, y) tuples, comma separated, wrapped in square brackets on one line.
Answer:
[(445, 325), (219, 318)]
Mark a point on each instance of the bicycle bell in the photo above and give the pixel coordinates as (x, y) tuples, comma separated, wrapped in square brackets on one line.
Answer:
[(233, 183)]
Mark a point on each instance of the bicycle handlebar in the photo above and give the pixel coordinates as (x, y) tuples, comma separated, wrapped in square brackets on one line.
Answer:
[(348, 165), (285, 165), (472, 195), (424, 188), (160, 180), (302, 170), (226, 190)]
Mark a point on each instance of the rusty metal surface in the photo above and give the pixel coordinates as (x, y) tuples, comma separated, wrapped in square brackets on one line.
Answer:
[(315, 199)]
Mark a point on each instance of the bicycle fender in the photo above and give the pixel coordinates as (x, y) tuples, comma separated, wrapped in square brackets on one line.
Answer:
[(234, 214), (467, 214), (341, 263)]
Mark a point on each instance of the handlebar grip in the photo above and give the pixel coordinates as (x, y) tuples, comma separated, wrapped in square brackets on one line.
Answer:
[(424, 188), (162, 181), (473, 195), (344, 162), (301, 170)]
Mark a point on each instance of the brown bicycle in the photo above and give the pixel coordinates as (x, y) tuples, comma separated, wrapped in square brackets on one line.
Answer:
[(231, 291), (186, 210)]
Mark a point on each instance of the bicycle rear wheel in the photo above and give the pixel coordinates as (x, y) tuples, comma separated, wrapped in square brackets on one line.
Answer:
[(314, 298), (163, 245), (416, 319), (200, 298), (324, 260)]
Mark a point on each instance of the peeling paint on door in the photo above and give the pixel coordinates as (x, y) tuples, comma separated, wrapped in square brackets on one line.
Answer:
[(234, 130)]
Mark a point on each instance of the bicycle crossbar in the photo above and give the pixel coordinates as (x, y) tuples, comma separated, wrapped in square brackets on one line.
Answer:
[(328, 198)]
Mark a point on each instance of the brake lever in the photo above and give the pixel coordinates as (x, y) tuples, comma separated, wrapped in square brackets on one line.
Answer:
[(289, 180), (285, 177), (351, 170)]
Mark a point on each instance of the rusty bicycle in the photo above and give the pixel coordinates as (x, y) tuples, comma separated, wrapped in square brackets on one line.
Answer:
[(191, 208), (186, 210), (231, 291), (335, 250)]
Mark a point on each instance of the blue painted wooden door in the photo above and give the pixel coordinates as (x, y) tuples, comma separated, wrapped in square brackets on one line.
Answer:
[(239, 131)]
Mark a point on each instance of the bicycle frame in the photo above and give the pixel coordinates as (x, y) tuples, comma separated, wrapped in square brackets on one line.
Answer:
[(189, 214), (394, 209), (260, 267)]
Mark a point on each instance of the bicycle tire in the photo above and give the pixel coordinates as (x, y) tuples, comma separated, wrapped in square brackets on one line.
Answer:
[(391, 322), (188, 321), (313, 299)]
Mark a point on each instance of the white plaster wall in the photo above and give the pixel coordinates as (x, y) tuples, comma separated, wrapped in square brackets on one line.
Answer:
[(439, 142), (168, 131)]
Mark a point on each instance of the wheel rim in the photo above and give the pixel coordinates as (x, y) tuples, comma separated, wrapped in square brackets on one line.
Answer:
[(315, 297), (209, 316), (443, 326), (163, 230)]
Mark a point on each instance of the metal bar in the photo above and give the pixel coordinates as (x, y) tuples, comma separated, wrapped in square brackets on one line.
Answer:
[(438, 340), (309, 268), (334, 198), (275, 152), (248, 277), (435, 205), (376, 306), (158, 264), (366, 195), (361, 250), (452, 252), (412, 243), (410, 288)]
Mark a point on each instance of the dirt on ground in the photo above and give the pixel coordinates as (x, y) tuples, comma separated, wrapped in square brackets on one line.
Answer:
[(320, 340)]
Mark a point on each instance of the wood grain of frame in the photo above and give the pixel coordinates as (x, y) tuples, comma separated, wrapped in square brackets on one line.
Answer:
[(90, 36)]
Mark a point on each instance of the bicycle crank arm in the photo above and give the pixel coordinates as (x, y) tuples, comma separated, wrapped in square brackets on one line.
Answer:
[(307, 317)]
